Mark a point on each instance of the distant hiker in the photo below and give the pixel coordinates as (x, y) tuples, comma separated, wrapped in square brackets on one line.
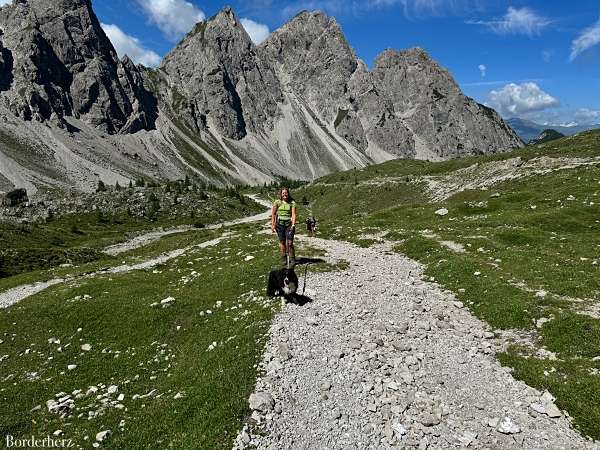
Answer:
[(283, 221), (311, 226)]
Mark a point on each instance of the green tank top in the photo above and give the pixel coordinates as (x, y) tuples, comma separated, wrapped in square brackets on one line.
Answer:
[(284, 210)]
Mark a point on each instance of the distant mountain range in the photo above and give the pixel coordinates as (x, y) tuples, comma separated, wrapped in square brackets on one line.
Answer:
[(528, 130), (219, 108)]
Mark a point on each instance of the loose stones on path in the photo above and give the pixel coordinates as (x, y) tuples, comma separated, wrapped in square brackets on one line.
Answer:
[(383, 359)]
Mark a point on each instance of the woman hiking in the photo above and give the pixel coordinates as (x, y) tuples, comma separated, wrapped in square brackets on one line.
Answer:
[(283, 221)]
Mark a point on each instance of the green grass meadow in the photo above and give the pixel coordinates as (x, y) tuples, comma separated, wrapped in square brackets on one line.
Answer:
[(141, 349), (528, 249)]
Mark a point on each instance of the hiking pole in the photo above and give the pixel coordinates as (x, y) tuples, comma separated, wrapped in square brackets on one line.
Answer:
[(287, 248), (305, 271)]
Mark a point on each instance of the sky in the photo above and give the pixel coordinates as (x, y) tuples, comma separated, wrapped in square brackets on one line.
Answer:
[(534, 59)]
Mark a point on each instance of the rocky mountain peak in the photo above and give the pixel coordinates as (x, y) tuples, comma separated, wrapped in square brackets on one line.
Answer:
[(63, 64), (227, 14), (413, 64), (312, 56), (225, 84)]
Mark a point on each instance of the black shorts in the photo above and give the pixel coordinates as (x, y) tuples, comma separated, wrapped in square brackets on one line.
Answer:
[(284, 232)]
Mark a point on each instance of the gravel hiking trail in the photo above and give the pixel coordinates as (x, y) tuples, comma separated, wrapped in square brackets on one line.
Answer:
[(155, 235), (383, 359)]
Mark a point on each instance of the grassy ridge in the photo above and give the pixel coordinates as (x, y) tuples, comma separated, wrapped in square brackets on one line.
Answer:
[(530, 252)]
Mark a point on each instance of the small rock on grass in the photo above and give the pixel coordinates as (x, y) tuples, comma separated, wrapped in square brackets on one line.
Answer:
[(552, 410), (167, 302), (101, 437)]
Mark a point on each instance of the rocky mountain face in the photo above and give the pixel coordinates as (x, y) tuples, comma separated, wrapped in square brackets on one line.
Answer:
[(300, 105), (58, 62), (218, 72)]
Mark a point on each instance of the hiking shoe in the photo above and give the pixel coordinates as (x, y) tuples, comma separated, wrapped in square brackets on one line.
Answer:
[(284, 260), (292, 262)]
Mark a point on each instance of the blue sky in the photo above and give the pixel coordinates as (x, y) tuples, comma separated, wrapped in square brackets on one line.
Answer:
[(536, 59)]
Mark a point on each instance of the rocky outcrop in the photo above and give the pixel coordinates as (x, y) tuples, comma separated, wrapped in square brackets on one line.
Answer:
[(64, 65), (223, 81), (407, 106), (313, 59), (428, 100)]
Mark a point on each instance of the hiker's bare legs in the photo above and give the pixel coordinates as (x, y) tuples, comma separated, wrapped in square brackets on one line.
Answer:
[(283, 253)]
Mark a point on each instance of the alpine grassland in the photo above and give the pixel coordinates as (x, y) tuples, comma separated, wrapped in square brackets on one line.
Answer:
[(515, 236), (157, 357), (79, 237)]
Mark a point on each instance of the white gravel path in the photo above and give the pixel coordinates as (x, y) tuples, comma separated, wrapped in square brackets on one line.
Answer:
[(15, 295), (155, 235), (382, 359)]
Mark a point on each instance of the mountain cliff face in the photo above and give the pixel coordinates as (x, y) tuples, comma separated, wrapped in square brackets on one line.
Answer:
[(217, 70), (219, 107), (61, 63)]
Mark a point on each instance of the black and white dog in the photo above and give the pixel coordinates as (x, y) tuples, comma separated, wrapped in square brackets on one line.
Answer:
[(282, 282)]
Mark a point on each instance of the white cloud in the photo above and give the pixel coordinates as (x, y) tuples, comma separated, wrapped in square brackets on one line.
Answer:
[(499, 82), (517, 99), (173, 17), (517, 21), (586, 39), (434, 7), (547, 55), (130, 46), (482, 68), (586, 116), (359, 7), (258, 32), (5, 2)]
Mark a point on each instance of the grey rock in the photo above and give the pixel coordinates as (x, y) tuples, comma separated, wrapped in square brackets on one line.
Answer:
[(538, 408), (300, 105), (284, 352), (355, 344), (507, 426), (325, 385), (262, 402), (63, 64), (429, 420), (102, 435), (467, 438), (217, 71), (312, 320), (552, 410)]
